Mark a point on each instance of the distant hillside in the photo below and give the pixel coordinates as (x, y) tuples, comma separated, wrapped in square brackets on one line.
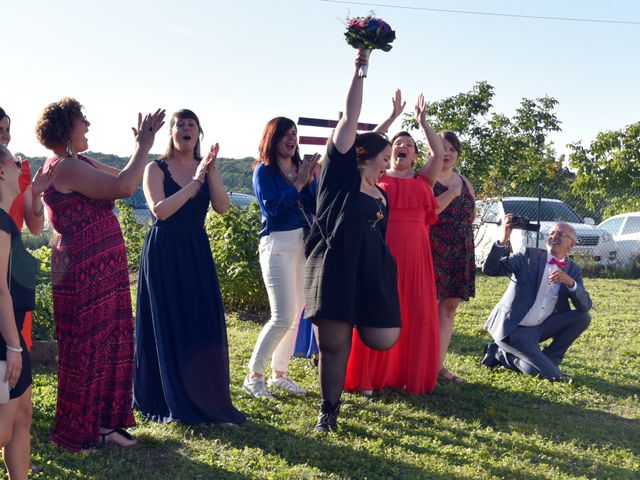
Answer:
[(236, 173)]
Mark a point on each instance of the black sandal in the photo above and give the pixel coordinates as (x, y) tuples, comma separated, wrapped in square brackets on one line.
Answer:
[(120, 431)]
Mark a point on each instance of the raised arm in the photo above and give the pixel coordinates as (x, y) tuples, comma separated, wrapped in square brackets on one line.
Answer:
[(397, 107), (431, 169), (74, 176), (346, 130)]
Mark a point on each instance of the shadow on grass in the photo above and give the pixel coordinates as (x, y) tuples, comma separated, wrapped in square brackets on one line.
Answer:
[(504, 413), (471, 346), (321, 452)]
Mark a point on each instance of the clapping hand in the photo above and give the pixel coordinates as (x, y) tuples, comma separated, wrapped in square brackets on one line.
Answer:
[(208, 163), (306, 170), (148, 127), (41, 181)]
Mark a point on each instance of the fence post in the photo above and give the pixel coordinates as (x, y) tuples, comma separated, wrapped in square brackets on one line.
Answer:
[(538, 215)]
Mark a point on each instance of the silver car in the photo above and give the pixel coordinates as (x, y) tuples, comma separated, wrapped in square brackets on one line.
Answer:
[(625, 229), (594, 243)]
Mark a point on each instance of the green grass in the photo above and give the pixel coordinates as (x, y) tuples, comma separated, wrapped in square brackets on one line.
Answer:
[(497, 425)]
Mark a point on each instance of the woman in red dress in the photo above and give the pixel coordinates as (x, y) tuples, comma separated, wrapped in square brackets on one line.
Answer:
[(26, 207), (90, 279), (412, 363)]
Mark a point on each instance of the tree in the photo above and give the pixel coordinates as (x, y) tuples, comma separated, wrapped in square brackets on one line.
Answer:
[(608, 172), (500, 154)]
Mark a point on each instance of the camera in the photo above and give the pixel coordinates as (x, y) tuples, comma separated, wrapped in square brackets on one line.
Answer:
[(523, 223)]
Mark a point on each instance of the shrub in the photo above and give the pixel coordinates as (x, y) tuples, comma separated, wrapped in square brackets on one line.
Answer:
[(33, 242), (133, 234), (234, 243), (43, 323)]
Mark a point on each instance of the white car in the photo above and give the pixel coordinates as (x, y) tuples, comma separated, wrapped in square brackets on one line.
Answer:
[(625, 229), (593, 242)]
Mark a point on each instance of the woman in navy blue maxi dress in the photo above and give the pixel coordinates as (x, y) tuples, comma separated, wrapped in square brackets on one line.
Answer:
[(182, 362)]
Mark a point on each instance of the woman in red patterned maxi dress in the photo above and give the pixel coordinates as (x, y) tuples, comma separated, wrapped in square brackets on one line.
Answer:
[(90, 280)]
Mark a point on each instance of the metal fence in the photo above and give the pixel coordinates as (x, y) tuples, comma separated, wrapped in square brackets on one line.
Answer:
[(608, 240)]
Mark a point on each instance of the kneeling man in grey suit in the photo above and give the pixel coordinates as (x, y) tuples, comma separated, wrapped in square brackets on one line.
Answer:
[(535, 306)]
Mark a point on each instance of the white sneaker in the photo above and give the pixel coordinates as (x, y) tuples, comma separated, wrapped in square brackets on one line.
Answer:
[(256, 387), (285, 383)]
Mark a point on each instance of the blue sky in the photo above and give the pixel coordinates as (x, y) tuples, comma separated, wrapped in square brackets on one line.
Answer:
[(238, 64)]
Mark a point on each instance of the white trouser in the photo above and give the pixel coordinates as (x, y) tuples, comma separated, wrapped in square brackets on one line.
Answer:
[(282, 263)]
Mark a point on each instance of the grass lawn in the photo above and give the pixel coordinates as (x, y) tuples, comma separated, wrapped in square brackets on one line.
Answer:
[(497, 425)]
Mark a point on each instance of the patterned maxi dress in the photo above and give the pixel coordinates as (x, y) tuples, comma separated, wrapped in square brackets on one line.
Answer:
[(452, 246), (93, 317)]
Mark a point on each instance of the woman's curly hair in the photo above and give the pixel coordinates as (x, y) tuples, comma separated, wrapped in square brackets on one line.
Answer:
[(56, 122)]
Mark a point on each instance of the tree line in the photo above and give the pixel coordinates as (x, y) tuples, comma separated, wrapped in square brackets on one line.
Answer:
[(505, 155)]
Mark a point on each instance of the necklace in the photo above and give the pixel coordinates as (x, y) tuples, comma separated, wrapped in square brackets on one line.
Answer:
[(379, 213)]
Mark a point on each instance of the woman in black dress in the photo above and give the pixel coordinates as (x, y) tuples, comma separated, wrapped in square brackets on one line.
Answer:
[(351, 276)]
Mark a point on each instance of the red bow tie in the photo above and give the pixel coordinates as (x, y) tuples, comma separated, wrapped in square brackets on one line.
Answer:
[(555, 261)]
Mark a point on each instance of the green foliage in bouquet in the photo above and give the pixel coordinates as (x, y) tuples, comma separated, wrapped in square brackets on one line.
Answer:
[(369, 32)]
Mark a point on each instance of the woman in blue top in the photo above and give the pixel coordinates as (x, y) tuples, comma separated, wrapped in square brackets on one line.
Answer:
[(286, 189)]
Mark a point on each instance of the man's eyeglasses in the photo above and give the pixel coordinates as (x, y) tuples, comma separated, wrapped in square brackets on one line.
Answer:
[(560, 234)]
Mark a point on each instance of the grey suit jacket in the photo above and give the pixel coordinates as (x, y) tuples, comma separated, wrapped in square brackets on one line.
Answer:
[(526, 270)]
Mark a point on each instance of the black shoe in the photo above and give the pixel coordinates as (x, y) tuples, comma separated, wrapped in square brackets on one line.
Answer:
[(489, 359), (564, 377), (328, 417)]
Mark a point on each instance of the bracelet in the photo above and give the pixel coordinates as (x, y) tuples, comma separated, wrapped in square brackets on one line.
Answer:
[(197, 179), (14, 349), (38, 213)]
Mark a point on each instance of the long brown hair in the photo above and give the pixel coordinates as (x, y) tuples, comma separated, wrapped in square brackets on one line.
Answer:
[(184, 114), (274, 130)]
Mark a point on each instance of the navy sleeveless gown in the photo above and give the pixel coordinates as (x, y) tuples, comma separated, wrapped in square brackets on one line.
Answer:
[(181, 360)]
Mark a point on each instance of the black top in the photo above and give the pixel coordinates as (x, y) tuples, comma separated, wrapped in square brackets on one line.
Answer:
[(22, 267), (351, 275), (22, 281)]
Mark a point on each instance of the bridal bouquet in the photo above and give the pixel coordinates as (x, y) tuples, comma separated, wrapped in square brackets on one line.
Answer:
[(370, 33)]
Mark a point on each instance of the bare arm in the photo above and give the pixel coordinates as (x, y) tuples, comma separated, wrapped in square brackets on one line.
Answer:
[(397, 108), (346, 130), (33, 211), (72, 175), (104, 168), (431, 169), (153, 185), (218, 195), (472, 192), (446, 197), (7, 320)]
